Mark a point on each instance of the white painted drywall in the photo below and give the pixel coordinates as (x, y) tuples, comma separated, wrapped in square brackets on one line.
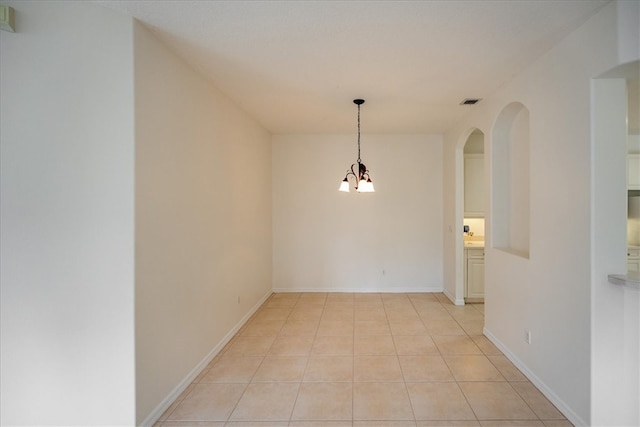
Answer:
[(203, 220), (387, 241), (67, 216), (550, 293), (615, 388)]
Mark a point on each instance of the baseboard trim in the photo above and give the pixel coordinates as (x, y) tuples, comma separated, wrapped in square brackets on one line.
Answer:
[(155, 415), (452, 298), (574, 418), (398, 290)]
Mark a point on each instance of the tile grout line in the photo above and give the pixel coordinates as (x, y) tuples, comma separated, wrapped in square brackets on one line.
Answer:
[(404, 379), (295, 401), (353, 365)]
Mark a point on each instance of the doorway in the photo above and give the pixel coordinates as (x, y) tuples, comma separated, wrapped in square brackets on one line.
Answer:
[(474, 208)]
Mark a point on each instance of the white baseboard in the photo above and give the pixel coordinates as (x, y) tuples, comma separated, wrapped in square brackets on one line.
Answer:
[(177, 391), (574, 418), (452, 298), (405, 289)]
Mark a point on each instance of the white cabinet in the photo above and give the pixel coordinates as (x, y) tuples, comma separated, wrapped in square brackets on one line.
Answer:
[(633, 260), (633, 171), (474, 185), (474, 274)]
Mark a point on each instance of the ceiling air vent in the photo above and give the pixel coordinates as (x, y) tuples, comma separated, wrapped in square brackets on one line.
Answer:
[(470, 101)]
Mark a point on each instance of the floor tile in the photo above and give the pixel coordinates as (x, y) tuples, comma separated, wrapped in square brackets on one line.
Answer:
[(537, 401), (398, 423), (381, 401), (208, 402), (441, 423), (444, 327), (257, 424), (367, 298), (371, 327), (324, 401), (324, 423), (453, 344), (333, 346), (280, 313), (232, 370), (304, 313), (370, 314), (335, 328), (291, 346), (381, 345), (408, 327), (468, 314), (193, 424), (414, 345), (340, 297), (281, 368), (432, 314), (281, 303), (496, 401), (263, 327), (266, 402), (329, 368), (424, 368), (402, 313), (512, 423), (472, 368), (472, 327), (557, 423), (333, 304), (376, 368), (486, 346), (439, 401), (344, 314), (507, 369), (312, 300), (299, 327), (250, 346)]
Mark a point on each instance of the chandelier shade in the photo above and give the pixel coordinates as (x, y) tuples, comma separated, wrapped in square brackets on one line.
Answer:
[(358, 170)]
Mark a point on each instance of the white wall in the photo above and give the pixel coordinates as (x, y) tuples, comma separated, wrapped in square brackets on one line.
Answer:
[(67, 217), (327, 240), (550, 293), (203, 221), (615, 357)]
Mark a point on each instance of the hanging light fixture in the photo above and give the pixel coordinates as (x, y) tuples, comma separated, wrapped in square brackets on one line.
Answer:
[(358, 170)]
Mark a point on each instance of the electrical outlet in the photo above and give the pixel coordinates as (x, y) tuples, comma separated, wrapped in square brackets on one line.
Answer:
[(527, 336)]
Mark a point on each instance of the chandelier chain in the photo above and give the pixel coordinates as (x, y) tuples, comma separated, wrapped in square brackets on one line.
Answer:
[(359, 161)]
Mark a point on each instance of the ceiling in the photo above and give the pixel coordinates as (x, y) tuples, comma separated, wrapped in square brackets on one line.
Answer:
[(296, 66)]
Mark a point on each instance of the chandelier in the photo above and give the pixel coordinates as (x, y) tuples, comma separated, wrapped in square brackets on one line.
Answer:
[(358, 170)]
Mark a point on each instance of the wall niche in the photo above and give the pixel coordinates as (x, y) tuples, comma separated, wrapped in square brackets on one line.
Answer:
[(510, 180)]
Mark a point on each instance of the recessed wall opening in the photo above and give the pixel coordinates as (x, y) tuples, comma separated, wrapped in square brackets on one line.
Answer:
[(510, 155)]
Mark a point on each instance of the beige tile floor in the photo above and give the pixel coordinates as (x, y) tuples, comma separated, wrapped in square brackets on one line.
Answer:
[(361, 360)]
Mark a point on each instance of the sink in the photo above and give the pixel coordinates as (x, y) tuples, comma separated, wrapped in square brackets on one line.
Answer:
[(474, 244)]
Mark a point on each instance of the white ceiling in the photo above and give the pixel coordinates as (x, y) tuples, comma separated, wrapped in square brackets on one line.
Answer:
[(295, 66)]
